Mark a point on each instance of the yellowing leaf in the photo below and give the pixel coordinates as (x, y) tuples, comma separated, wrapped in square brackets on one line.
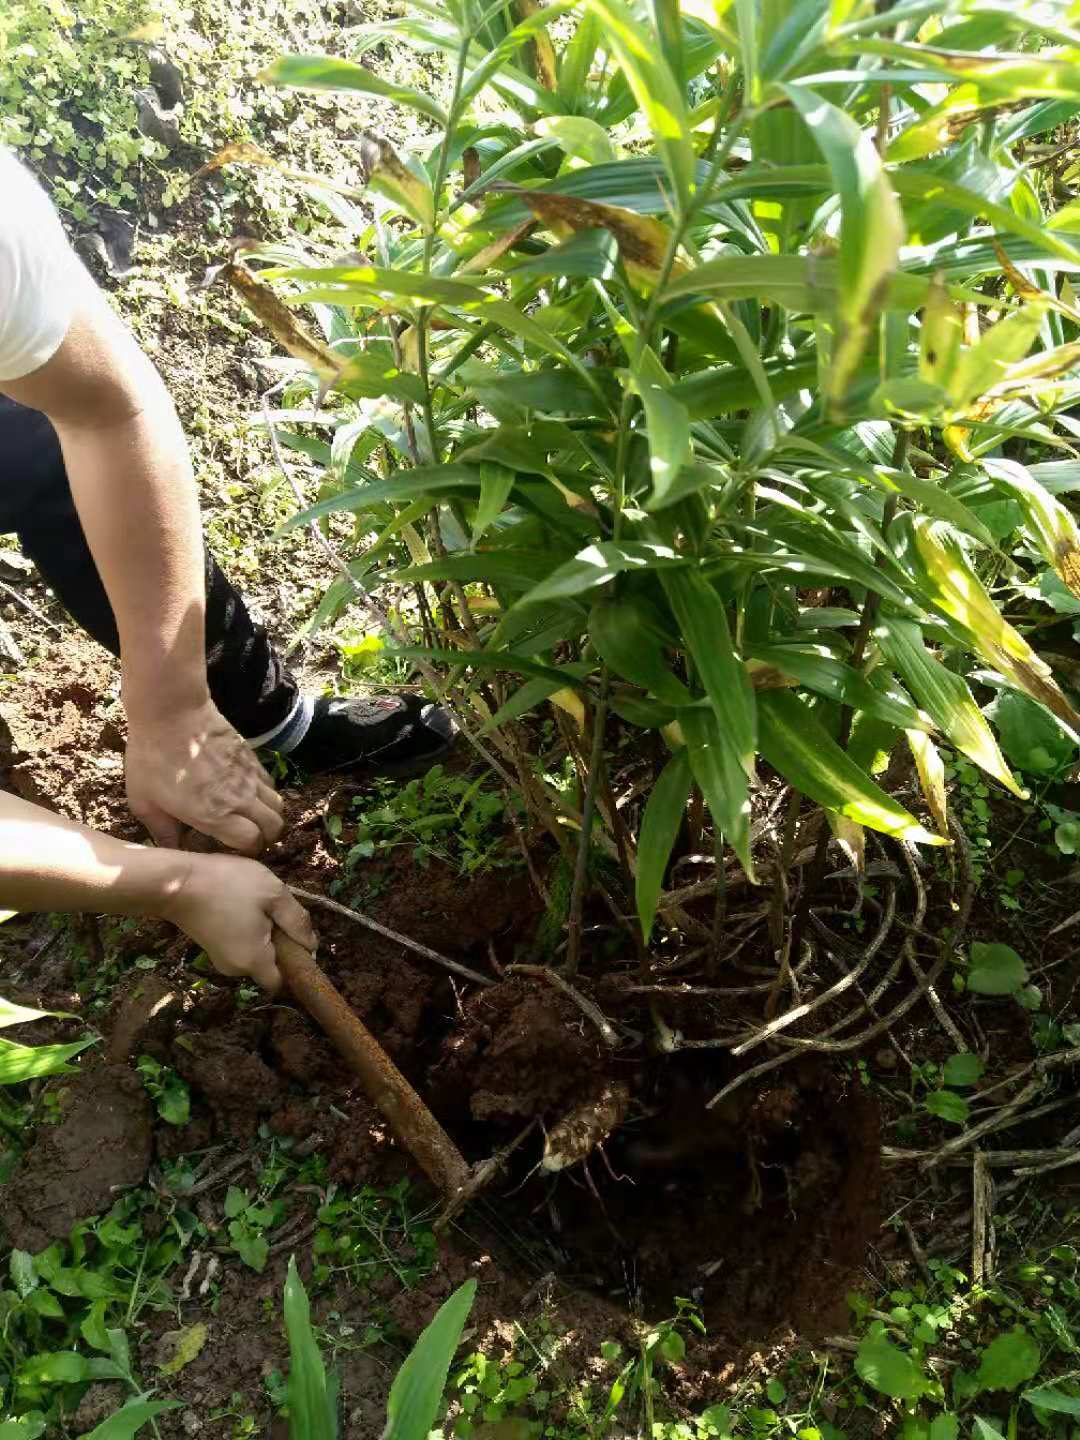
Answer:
[(851, 838), (948, 583), (642, 240), (931, 772), (796, 744), (539, 48), (385, 171), (570, 701), (245, 152), (177, 1348), (983, 366), (942, 333), (283, 324), (944, 695), (1053, 526)]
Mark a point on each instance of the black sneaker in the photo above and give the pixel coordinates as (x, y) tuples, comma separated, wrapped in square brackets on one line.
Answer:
[(390, 735)]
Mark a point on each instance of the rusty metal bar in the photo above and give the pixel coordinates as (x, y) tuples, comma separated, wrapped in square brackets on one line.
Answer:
[(409, 1118)]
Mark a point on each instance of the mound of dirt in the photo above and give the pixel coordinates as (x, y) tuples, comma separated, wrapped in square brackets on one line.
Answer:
[(102, 1146)]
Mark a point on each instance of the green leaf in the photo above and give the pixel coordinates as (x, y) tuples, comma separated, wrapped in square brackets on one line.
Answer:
[(641, 57), (27, 1427), (254, 1250), (944, 695), (996, 969), (795, 743), (23, 1274), (326, 72), (598, 565), (235, 1202), (831, 677), (944, 1427), (667, 425), (579, 136), (129, 1419), (659, 828), (963, 1070), (672, 1347), (312, 1397), (1008, 1361), (985, 1430), (418, 1386), (30, 1062), (59, 1367), (625, 634), (93, 1329), (947, 1105), (703, 622), (871, 228), (496, 482), (424, 480), (1030, 736), (174, 1103), (719, 772), (588, 254), (1049, 1397), (886, 1368), (12, 1014)]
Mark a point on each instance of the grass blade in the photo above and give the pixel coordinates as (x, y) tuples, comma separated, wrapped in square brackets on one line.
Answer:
[(659, 828), (312, 1398), (418, 1386)]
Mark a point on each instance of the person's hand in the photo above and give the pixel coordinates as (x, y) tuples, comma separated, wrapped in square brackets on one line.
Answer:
[(230, 906), (192, 768)]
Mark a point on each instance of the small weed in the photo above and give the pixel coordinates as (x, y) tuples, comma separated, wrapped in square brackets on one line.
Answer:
[(367, 1232), (169, 1093), (249, 1222), (244, 1425), (450, 818), (65, 1313)]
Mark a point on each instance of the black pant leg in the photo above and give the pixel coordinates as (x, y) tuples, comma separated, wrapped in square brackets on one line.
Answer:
[(247, 679)]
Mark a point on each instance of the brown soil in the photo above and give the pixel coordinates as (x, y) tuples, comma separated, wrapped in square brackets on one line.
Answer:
[(101, 1146), (62, 731)]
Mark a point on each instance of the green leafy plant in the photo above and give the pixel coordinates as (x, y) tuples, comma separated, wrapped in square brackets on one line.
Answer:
[(165, 1087), (249, 1221), (616, 415), (448, 817), (365, 1228), (65, 1312)]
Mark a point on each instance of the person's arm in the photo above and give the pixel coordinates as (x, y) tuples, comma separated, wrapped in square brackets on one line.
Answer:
[(130, 475), (227, 905)]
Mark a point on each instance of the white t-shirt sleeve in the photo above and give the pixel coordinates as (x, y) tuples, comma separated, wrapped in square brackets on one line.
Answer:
[(38, 274)]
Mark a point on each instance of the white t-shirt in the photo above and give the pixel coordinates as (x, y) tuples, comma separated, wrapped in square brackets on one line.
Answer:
[(37, 273)]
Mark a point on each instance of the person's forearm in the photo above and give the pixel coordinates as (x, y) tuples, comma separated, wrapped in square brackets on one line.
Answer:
[(137, 467), (50, 863)]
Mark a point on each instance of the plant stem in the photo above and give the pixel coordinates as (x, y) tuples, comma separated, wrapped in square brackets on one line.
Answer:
[(588, 810)]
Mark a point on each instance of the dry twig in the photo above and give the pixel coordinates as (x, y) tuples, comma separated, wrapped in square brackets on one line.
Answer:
[(314, 898), (586, 1006)]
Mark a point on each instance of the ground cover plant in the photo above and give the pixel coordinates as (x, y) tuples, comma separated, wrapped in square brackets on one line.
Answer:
[(683, 394)]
